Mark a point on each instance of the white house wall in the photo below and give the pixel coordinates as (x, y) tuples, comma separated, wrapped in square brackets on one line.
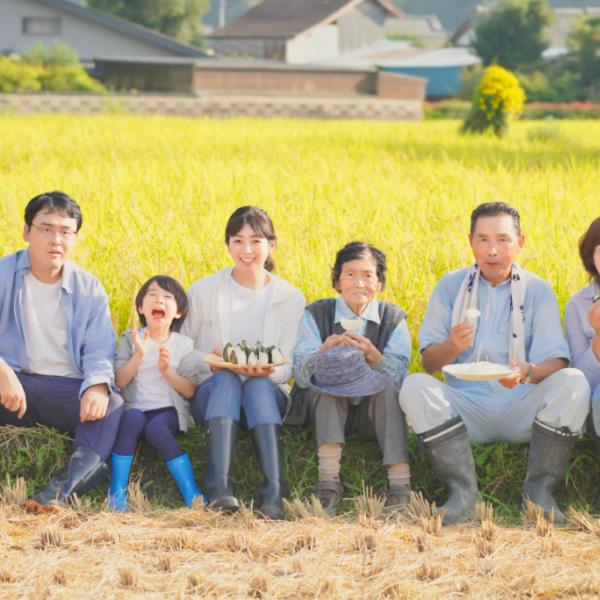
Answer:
[(318, 43), (89, 39), (361, 26)]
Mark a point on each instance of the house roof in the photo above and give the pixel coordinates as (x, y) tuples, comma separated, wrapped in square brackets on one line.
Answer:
[(390, 54), (288, 18), (123, 26)]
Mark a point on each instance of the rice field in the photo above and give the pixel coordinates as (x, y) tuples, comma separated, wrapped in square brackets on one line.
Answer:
[(156, 193)]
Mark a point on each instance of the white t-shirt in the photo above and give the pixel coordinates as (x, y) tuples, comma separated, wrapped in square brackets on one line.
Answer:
[(153, 390), (45, 329), (248, 312)]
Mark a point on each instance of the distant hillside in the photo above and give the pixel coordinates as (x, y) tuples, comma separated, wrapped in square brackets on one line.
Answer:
[(453, 12)]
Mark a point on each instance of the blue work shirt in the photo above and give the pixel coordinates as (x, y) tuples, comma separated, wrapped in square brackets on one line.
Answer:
[(544, 336), (396, 353), (91, 337)]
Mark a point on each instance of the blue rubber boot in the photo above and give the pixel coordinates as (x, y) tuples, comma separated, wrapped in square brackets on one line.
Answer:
[(181, 469), (119, 478)]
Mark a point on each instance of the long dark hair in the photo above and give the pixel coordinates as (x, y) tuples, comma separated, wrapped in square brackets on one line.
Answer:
[(587, 244), (260, 222)]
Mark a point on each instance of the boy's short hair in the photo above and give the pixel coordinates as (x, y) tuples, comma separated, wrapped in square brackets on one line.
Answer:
[(53, 202), (170, 285)]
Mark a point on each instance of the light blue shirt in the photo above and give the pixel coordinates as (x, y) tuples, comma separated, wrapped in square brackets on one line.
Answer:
[(396, 353), (580, 333), (544, 337), (91, 337)]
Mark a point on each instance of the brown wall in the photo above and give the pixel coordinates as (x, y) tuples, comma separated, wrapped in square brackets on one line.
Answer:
[(392, 85), (285, 81)]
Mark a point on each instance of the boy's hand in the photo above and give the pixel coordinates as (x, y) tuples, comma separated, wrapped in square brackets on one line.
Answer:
[(139, 341), (164, 359)]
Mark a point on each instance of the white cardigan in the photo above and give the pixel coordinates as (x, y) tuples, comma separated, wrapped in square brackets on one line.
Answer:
[(208, 321)]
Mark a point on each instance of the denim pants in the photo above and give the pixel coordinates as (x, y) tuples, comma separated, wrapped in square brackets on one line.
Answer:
[(224, 394), (54, 401), (159, 427)]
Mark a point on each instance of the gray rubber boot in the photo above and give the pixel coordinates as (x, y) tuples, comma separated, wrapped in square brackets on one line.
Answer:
[(448, 449), (549, 453), (85, 471), (221, 436), (268, 445)]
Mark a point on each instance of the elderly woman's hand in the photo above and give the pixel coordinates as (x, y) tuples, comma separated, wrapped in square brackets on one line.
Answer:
[(372, 355), (331, 342)]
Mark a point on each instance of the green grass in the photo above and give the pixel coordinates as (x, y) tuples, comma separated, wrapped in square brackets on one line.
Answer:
[(156, 193)]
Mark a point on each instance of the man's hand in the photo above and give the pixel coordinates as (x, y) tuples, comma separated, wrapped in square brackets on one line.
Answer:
[(94, 403), (461, 337), (512, 380), (164, 359), (332, 341), (12, 394), (372, 355)]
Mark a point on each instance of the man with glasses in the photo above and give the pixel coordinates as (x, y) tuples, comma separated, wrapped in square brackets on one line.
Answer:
[(56, 347)]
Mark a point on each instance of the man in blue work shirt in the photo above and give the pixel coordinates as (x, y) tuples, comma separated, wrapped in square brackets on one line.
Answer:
[(56, 347), (495, 311)]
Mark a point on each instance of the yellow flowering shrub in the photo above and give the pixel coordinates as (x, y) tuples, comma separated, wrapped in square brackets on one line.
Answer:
[(499, 98)]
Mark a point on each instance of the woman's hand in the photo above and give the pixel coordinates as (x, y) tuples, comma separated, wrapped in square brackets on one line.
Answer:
[(218, 352), (594, 317), (256, 370), (372, 355), (332, 341)]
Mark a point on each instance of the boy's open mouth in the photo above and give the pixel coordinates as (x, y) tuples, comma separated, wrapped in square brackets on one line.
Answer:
[(157, 313)]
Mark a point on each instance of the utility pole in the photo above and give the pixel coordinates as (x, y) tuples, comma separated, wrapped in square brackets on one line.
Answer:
[(222, 12)]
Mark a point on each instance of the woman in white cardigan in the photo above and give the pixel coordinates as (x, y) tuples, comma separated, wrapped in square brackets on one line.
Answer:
[(245, 302)]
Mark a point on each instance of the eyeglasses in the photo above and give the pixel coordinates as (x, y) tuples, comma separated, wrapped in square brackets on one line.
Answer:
[(51, 233)]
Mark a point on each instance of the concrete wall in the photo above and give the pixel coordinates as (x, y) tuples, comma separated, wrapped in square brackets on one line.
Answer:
[(317, 43), (229, 105), (89, 39), (363, 25)]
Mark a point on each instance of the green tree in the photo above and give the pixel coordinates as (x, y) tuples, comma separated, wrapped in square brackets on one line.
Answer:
[(584, 40), (178, 18), (513, 33)]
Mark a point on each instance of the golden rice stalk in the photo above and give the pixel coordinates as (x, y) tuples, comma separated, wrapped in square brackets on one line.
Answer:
[(59, 577), (137, 501), (259, 586), (304, 509), (128, 578), (484, 511), (50, 538), (422, 540), (164, 564), (369, 504), (13, 493), (419, 508), (583, 521), (428, 572)]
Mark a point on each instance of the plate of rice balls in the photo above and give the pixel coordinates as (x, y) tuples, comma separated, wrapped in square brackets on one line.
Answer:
[(239, 355)]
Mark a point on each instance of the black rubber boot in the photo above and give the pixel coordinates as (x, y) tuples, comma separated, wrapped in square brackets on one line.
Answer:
[(221, 435), (448, 449), (268, 445), (85, 471), (549, 453)]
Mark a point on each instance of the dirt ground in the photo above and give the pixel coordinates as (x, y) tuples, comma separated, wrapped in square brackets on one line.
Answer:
[(197, 552)]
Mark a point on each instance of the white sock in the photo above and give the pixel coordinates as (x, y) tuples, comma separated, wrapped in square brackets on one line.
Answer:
[(399, 474), (329, 461)]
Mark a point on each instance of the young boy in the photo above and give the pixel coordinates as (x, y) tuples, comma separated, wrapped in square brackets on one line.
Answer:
[(154, 392)]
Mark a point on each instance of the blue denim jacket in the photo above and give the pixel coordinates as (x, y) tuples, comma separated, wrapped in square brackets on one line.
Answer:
[(91, 335)]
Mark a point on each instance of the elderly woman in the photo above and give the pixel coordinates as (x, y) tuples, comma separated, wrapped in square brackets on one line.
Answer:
[(348, 395), (582, 322)]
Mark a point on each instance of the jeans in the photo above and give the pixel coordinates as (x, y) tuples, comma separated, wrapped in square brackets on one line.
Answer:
[(54, 401), (159, 427), (224, 394)]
